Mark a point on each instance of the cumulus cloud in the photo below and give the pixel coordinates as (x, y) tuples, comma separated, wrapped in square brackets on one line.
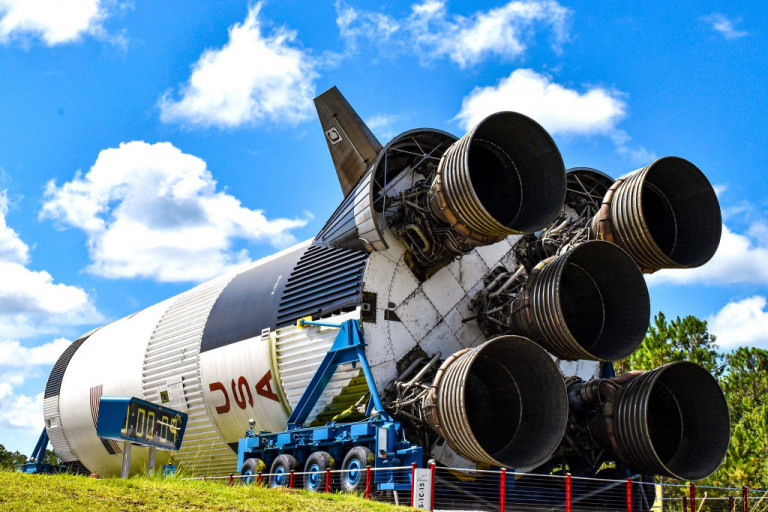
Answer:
[(724, 26), (741, 323), (151, 211), (12, 249), (15, 355), (560, 110), (19, 411), (740, 258), (429, 32), (384, 125), (30, 301), (53, 21), (252, 78)]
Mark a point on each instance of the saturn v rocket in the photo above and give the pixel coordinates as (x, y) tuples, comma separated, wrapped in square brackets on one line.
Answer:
[(490, 285)]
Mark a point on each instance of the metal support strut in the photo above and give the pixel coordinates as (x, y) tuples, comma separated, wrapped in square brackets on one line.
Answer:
[(348, 347)]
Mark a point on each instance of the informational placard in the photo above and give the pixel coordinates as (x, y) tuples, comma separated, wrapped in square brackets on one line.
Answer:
[(124, 418), (422, 489)]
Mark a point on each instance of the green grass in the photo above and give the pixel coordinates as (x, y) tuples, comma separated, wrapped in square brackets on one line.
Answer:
[(77, 493)]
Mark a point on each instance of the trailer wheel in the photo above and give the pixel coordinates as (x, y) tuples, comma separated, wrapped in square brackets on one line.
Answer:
[(251, 467), (317, 463), (353, 476), (281, 470)]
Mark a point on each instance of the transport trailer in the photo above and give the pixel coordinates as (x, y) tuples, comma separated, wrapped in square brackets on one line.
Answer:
[(36, 464), (377, 441)]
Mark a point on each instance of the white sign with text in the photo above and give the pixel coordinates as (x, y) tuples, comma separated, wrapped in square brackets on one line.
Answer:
[(422, 489)]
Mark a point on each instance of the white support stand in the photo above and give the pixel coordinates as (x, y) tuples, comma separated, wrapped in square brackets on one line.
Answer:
[(151, 460), (126, 467)]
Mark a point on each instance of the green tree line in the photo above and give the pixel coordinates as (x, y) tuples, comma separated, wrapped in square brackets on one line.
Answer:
[(743, 375)]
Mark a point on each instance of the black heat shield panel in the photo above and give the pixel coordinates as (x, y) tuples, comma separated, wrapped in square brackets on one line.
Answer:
[(326, 280), (53, 386), (249, 302)]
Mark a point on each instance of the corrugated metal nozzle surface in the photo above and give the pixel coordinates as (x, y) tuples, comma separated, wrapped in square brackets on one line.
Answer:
[(505, 176), (503, 403), (673, 421), (589, 303), (665, 215)]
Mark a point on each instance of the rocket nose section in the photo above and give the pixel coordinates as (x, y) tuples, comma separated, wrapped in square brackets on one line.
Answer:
[(352, 145)]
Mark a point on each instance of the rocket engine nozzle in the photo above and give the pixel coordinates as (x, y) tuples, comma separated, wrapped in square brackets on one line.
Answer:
[(589, 303), (673, 421), (503, 403), (665, 215), (505, 176)]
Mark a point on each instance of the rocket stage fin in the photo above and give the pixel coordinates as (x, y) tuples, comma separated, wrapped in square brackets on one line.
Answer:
[(352, 145)]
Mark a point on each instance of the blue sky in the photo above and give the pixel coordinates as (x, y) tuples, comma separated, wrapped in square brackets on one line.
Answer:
[(148, 146)]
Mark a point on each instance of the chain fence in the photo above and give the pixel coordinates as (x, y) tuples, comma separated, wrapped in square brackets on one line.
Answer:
[(459, 489)]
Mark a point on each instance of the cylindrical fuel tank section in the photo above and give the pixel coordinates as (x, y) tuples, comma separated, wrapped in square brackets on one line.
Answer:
[(229, 349)]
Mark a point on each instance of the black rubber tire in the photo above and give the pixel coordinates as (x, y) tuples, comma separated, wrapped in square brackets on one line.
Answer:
[(280, 472), (314, 469), (353, 476), (251, 468)]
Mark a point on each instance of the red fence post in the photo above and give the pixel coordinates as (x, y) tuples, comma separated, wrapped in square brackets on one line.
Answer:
[(432, 499), (745, 498), (629, 495), (567, 492), (731, 504), (291, 481), (413, 481), (259, 478), (367, 482), (503, 490), (327, 479), (693, 497), (685, 504), (231, 477)]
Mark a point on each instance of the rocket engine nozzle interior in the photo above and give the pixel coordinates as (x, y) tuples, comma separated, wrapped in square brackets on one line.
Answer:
[(666, 215), (504, 176), (673, 421), (589, 303), (503, 403)]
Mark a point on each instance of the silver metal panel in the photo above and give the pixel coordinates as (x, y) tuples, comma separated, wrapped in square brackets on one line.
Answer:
[(368, 228), (299, 353), (55, 430), (171, 365)]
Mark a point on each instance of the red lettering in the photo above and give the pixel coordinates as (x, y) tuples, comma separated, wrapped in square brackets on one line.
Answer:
[(240, 399), (264, 388), (218, 386)]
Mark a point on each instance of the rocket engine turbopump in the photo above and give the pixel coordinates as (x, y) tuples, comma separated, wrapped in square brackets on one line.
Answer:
[(481, 273)]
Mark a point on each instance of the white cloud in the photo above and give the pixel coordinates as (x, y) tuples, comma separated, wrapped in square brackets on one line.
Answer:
[(151, 211), (14, 354), (18, 411), (741, 323), (724, 26), (384, 125), (739, 259), (54, 21), (17, 364), (252, 78), (12, 249), (30, 301), (560, 110), (430, 33)]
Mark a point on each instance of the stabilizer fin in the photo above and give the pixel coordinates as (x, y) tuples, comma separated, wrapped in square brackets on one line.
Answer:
[(352, 145)]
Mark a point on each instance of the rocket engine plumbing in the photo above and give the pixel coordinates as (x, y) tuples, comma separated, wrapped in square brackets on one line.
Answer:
[(576, 289)]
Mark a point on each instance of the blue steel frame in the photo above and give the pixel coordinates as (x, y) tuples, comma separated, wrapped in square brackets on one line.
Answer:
[(348, 347), (379, 433), (38, 466)]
